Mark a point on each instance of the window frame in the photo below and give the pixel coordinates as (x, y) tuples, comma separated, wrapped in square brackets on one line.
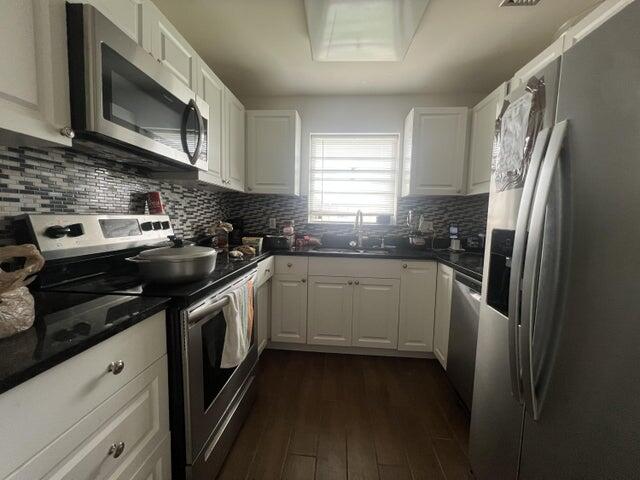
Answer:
[(397, 175)]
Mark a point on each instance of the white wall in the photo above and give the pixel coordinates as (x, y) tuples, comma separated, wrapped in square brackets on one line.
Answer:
[(354, 114)]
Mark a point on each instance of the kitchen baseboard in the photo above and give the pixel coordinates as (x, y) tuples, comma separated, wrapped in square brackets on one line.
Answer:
[(380, 352)]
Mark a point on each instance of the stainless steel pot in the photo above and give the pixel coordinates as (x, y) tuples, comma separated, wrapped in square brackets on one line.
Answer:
[(177, 264)]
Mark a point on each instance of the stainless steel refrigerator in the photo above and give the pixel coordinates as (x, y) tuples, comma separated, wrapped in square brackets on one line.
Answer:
[(557, 380)]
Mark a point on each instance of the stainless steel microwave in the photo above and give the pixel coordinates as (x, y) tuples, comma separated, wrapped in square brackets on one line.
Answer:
[(127, 103)]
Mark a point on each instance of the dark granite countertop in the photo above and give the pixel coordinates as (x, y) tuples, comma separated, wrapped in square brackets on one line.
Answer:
[(65, 325)]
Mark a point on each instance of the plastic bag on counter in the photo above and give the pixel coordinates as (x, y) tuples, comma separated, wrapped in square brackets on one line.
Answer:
[(17, 309)]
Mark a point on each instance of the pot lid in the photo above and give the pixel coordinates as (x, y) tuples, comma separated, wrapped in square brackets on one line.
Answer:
[(177, 254)]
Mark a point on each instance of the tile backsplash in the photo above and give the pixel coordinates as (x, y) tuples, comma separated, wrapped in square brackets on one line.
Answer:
[(56, 181), (59, 181), (469, 213)]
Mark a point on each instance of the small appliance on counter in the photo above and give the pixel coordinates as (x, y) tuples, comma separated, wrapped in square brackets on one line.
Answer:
[(455, 244), (278, 242)]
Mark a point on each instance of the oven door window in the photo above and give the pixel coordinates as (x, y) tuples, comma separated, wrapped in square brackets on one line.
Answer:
[(214, 377), (134, 101)]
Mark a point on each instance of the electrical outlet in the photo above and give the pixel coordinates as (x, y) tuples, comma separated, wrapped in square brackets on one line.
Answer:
[(272, 223)]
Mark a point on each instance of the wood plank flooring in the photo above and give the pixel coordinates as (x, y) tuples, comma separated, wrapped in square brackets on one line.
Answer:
[(347, 417)]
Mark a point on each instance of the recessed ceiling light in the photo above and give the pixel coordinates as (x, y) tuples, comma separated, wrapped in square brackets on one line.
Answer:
[(362, 30)]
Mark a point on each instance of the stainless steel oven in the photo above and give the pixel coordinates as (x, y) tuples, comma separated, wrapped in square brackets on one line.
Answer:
[(216, 400), (123, 99)]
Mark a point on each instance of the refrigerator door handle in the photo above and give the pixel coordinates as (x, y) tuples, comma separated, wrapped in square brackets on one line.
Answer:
[(532, 262), (517, 259)]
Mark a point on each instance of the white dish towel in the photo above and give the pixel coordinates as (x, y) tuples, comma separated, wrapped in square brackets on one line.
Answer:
[(238, 313)]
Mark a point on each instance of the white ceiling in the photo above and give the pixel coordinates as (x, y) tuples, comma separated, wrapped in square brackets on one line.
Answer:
[(261, 47)]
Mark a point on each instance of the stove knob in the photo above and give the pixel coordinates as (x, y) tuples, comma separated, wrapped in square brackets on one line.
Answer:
[(57, 231), (76, 230), (157, 225), (146, 226), (166, 225)]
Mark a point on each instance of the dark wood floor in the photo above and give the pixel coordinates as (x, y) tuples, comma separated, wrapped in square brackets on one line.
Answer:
[(334, 417)]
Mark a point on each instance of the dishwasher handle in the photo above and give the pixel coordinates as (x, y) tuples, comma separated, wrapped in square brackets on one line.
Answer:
[(473, 285)]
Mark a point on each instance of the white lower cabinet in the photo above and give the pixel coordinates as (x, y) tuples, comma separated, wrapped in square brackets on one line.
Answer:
[(375, 312), (263, 314), (330, 310), (443, 314), (417, 306), (78, 421), (156, 467), (289, 308)]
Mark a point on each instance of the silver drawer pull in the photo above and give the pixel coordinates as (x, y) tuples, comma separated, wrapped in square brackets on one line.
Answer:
[(268, 270), (116, 449), (357, 282), (350, 282), (116, 367), (304, 280), (289, 265), (404, 265)]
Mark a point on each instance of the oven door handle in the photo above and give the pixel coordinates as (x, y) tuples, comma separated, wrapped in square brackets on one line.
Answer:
[(199, 313)]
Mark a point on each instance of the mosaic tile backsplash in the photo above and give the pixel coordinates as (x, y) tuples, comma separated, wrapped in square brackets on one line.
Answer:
[(36, 181), (56, 181), (469, 213)]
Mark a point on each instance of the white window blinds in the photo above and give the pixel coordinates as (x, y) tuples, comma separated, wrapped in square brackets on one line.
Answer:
[(350, 173)]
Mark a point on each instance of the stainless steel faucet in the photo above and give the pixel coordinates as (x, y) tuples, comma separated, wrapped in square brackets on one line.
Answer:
[(357, 228)]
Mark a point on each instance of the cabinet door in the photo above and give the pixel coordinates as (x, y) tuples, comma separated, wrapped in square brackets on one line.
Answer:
[(417, 306), (273, 151), (234, 142), (263, 314), (125, 14), (211, 90), (156, 467), (603, 12), (289, 309), (483, 121), (168, 46), (543, 59), (34, 85), (330, 310), (443, 313), (375, 312), (438, 150), (407, 151)]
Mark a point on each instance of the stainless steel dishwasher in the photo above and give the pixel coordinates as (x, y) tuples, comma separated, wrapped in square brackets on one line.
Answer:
[(463, 335)]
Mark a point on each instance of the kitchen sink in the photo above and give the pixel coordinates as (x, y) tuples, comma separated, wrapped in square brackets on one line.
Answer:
[(361, 251)]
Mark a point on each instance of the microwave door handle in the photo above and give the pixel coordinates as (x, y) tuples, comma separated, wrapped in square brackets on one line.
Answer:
[(196, 153), (530, 282), (517, 259)]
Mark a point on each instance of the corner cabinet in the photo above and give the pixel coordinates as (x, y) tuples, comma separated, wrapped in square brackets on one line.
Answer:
[(233, 142), (34, 86), (435, 147), (483, 121), (273, 151), (442, 314), (417, 306)]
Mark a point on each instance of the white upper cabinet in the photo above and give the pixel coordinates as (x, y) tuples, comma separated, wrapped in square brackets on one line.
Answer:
[(273, 151), (233, 144), (211, 90), (417, 306), (168, 46), (543, 59), (483, 120), (125, 14), (593, 20), (435, 142), (34, 84)]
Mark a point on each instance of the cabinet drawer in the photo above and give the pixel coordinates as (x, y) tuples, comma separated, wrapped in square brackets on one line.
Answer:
[(290, 264), (39, 411), (355, 267), (137, 415), (265, 270)]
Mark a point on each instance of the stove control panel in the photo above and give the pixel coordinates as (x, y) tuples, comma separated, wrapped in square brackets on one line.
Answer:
[(62, 236)]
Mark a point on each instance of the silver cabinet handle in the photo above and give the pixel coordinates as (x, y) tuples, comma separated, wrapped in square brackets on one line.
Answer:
[(404, 265), (116, 449), (116, 367), (357, 282), (268, 270), (304, 280), (67, 132), (350, 282), (289, 265)]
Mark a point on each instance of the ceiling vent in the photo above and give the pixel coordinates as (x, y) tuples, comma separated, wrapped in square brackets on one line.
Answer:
[(519, 3)]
